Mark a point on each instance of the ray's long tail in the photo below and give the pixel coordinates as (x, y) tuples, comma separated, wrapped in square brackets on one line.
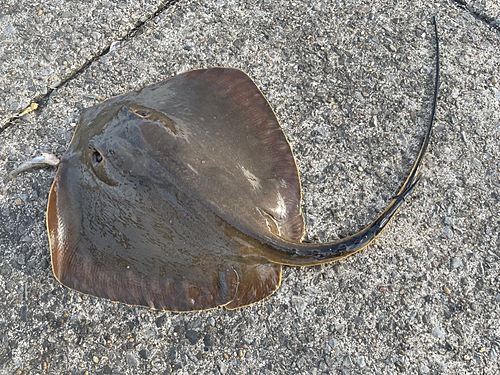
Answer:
[(304, 254)]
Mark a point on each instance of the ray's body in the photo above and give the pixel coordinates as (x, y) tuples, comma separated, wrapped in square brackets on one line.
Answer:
[(185, 196)]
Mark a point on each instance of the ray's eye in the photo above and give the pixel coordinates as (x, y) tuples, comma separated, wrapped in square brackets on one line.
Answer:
[(142, 112), (97, 157)]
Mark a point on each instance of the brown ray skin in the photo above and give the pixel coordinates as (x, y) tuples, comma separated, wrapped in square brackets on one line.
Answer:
[(176, 159), (196, 201)]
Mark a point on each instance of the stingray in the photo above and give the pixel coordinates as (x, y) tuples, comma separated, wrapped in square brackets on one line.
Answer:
[(185, 196)]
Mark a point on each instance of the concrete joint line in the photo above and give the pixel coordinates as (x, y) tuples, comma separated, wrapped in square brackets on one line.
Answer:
[(490, 21), (42, 100)]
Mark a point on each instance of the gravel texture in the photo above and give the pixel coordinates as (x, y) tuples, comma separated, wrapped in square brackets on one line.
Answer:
[(43, 44), (351, 82)]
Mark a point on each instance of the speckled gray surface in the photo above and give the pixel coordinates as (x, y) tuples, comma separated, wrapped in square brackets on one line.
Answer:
[(351, 82), (43, 44), (486, 10)]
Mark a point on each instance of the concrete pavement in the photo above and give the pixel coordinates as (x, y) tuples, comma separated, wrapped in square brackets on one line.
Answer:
[(351, 83)]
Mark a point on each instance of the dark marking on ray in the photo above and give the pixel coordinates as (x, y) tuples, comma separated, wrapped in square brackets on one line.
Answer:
[(185, 196)]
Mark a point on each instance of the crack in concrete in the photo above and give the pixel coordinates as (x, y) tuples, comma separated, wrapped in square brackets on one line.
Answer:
[(42, 99), (481, 16)]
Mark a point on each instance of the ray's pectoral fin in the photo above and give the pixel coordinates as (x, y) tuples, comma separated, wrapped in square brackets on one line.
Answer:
[(256, 282), (157, 287)]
